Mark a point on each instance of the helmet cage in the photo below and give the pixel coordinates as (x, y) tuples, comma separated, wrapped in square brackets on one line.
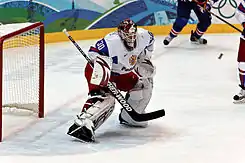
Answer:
[(127, 31)]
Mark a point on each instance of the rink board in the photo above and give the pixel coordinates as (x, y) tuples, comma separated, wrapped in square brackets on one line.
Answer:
[(156, 30)]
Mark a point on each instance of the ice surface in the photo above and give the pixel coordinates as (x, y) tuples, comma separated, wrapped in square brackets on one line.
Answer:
[(201, 125)]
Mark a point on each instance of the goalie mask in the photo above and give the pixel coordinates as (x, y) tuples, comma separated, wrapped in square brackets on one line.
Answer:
[(127, 30)]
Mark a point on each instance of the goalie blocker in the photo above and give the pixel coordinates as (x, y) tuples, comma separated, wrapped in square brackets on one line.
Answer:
[(121, 59)]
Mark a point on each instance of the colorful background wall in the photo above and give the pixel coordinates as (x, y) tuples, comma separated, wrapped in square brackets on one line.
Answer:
[(96, 14)]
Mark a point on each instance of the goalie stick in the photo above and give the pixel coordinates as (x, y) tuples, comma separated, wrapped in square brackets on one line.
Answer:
[(115, 92)]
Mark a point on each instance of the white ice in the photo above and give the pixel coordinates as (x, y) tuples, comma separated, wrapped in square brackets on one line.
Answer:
[(201, 125)]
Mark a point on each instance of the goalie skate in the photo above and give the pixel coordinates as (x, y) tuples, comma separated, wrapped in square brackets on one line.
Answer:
[(82, 129), (240, 97), (131, 124)]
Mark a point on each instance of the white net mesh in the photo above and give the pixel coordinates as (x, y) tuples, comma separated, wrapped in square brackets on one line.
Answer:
[(9, 28), (21, 70)]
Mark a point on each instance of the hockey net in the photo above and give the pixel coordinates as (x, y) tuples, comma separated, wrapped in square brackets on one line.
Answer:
[(22, 70)]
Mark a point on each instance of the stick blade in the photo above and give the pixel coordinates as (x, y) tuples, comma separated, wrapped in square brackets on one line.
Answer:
[(146, 116)]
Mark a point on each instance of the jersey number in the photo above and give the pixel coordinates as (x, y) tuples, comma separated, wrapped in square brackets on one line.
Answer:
[(100, 45)]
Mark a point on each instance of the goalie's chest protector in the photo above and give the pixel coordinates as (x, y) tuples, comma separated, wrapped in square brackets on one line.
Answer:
[(124, 61)]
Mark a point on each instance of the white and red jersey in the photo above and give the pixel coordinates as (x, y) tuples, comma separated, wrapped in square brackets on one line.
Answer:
[(124, 60), (240, 14)]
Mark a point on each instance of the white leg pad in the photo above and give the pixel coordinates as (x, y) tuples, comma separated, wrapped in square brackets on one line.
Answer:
[(100, 111), (139, 98)]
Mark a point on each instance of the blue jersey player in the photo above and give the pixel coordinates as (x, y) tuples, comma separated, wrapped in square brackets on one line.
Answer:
[(184, 9)]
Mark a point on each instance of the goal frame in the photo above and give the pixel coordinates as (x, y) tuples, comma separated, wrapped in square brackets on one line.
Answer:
[(41, 68)]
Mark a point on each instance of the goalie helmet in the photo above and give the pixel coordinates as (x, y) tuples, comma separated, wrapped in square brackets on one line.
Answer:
[(127, 30)]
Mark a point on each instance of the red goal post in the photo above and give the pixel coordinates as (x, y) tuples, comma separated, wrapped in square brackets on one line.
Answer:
[(22, 68)]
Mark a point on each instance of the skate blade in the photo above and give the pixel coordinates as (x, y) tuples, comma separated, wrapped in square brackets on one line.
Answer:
[(128, 125), (242, 101), (84, 142), (82, 138), (196, 43)]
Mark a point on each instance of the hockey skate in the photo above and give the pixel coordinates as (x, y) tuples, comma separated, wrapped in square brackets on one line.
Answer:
[(196, 40), (167, 40), (131, 122), (122, 121), (240, 97), (82, 129)]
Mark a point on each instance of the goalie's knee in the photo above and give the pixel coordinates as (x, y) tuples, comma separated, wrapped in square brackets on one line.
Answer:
[(100, 110), (140, 96)]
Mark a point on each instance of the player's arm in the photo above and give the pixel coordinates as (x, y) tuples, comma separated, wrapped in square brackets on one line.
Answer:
[(145, 67), (205, 5), (210, 4), (240, 13), (102, 63), (149, 45)]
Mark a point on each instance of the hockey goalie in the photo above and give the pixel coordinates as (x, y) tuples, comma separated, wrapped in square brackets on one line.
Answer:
[(122, 57)]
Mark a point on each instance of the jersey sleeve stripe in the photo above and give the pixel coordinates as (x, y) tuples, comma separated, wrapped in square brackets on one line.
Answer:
[(93, 49)]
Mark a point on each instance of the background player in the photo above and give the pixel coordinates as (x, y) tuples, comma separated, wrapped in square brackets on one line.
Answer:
[(123, 57), (240, 15), (184, 9)]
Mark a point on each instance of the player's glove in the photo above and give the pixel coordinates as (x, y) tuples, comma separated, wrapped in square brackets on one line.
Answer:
[(206, 7), (145, 68)]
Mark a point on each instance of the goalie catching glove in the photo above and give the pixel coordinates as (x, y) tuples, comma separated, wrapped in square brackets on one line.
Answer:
[(144, 67)]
